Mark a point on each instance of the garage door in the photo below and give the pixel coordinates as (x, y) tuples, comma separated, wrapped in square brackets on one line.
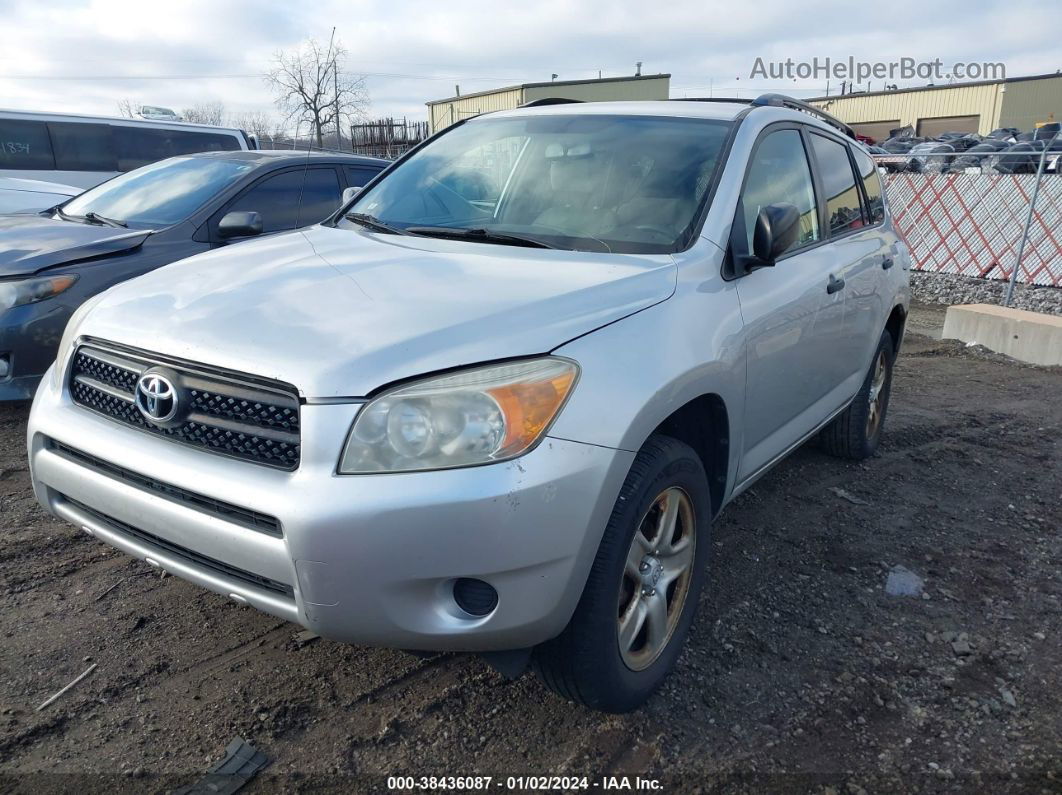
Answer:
[(931, 128), (878, 130)]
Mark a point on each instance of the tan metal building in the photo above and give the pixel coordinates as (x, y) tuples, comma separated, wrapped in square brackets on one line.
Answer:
[(979, 107), (444, 112)]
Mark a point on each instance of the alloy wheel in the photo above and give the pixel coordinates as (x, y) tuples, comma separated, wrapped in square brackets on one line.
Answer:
[(876, 396), (656, 578)]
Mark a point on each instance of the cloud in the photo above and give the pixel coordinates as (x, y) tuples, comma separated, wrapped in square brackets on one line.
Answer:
[(85, 56)]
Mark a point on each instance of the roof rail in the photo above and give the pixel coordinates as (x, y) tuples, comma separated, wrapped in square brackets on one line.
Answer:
[(738, 100), (782, 101), (537, 103)]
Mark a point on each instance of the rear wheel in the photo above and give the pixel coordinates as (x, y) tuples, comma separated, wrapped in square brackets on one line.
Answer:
[(642, 591), (856, 432)]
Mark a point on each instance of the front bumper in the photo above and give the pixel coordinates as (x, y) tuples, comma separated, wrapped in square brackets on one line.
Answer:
[(29, 338), (367, 559)]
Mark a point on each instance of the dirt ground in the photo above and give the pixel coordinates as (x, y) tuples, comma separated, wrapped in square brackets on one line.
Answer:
[(802, 673)]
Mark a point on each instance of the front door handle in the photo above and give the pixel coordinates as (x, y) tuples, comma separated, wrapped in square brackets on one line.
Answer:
[(834, 284), (886, 263)]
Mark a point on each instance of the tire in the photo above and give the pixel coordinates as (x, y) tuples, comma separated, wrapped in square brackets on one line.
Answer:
[(585, 662), (856, 431)]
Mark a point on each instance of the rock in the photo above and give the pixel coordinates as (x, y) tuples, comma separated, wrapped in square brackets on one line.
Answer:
[(848, 496), (962, 647), (903, 582), (945, 288)]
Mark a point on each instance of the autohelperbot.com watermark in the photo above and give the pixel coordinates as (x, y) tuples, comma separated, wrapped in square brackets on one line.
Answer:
[(859, 71)]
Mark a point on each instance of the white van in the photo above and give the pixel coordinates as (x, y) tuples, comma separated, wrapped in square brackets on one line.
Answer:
[(86, 150)]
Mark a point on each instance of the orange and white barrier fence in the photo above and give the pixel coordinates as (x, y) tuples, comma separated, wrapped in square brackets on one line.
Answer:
[(973, 224)]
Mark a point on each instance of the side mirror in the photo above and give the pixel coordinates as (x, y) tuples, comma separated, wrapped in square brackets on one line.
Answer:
[(777, 226), (240, 224), (349, 194)]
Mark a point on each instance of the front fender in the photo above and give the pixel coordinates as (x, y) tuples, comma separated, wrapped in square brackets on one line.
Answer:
[(637, 372)]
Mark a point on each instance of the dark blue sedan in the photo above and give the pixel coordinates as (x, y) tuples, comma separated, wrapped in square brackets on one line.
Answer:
[(52, 262)]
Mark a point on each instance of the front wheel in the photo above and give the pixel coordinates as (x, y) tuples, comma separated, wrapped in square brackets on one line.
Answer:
[(856, 431), (643, 587)]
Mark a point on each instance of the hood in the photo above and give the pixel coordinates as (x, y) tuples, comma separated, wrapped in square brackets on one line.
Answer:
[(339, 313), (38, 186), (29, 243)]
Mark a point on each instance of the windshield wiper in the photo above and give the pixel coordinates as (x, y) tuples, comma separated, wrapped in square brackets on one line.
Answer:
[(478, 234), (374, 223), (92, 218), (96, 218)]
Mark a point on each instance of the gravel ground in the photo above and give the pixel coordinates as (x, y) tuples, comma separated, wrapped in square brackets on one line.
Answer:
[(946, 288), (802, 674)]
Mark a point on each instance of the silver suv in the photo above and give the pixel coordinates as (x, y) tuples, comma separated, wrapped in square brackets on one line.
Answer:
[(494, 404)]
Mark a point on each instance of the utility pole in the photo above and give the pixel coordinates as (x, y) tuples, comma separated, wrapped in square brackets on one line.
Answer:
[(335, 84)]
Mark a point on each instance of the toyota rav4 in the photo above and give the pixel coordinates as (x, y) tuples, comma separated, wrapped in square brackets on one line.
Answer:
[(495, 402)]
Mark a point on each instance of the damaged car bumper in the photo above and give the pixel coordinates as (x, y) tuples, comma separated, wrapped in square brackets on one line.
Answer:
[(396, 560)]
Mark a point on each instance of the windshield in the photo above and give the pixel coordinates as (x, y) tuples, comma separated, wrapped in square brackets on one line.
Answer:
[(160, 194), (630, 184)]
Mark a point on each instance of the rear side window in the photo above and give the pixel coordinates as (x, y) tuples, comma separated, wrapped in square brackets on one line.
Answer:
[(25, 145), (358, 176), (868, 172), (779, 173), (277, 198), (82, 147), (138, 146), (843, 210)]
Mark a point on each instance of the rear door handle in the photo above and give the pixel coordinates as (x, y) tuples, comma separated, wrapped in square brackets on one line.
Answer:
[(886, 263), (834, 284)]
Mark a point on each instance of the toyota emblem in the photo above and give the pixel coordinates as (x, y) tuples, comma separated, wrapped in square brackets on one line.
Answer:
[(156, 397)]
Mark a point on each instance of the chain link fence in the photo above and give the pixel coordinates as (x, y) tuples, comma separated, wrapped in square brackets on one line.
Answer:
[(970, 220)]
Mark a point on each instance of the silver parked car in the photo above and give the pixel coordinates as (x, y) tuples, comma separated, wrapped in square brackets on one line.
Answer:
[(32, 195), (494, 404)]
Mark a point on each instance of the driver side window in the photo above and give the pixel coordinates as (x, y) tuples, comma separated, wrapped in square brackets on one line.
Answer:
[(779, 173), (291, 199)]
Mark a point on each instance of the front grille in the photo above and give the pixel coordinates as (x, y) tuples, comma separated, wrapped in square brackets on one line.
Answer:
[(208, 505), (202, 561), (235, 415)]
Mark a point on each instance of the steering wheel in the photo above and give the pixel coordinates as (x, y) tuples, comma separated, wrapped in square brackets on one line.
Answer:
[(474, 211)]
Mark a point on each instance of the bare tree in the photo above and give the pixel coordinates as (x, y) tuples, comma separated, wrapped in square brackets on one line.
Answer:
[(279, 132), (128, 108), (212, 113), (311, 86), (258, 123)]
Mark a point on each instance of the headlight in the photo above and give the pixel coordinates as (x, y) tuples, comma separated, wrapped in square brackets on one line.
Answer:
[(476, 416), (29, 291)]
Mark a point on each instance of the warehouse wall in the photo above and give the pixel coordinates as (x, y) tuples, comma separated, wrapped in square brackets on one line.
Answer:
[(617, 91), (909, 106), (1030, 101), (446, 113)]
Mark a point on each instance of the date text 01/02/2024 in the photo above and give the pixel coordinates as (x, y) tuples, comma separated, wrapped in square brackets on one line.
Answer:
[(522, 783)]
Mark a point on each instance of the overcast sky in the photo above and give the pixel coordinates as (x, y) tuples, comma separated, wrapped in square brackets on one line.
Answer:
[(85, 56)]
